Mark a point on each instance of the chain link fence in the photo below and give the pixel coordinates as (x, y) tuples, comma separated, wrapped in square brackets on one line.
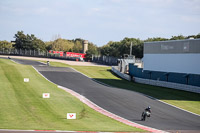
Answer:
[(36, 53), (107, 60)]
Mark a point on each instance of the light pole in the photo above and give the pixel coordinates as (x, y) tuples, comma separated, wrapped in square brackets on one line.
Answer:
[(131, 48)]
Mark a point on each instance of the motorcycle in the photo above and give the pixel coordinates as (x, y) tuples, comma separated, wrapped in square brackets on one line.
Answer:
[(145, 114)]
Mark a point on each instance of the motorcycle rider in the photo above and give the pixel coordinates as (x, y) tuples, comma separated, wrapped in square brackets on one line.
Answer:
[(146, 113), (148, 109)]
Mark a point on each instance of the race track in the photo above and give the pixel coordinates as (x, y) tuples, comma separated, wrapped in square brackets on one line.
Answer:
[(125, 103)]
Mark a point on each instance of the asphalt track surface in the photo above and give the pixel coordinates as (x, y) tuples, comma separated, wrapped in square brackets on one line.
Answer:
[(125, 103)]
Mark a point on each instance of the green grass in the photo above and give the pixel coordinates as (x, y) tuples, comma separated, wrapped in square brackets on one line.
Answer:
[(22, 105), (185, 100)]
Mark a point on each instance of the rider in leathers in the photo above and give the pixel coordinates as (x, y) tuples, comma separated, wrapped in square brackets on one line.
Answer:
[(148, 109)]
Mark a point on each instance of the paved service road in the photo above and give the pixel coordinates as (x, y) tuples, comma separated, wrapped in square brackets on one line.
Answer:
[(125, 103), (28, 62)]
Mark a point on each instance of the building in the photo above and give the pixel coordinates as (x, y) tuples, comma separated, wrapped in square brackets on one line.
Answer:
[(85, 46), (179, 56), (170, 64)]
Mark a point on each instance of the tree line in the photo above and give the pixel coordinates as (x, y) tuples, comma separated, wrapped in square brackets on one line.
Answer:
[(115, 49), (120, 48)]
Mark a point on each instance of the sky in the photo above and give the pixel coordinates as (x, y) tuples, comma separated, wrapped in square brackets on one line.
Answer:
[(99, 21)]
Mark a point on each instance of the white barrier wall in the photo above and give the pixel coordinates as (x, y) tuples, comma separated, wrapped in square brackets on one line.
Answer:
[(179, 63), (168, 85), (157, 82), (122, 75)]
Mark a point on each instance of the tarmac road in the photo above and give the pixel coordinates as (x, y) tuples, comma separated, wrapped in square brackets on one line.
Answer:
[(125, 103), (28, 62)]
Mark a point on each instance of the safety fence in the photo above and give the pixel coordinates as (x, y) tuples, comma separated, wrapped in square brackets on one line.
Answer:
[(178, 86), (180, 78), (107, 60), (37, 53)]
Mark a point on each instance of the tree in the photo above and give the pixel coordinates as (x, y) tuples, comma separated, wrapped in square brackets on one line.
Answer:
[(38, 44), (78, 45), (92, 50), (60, 45), (193, 36), (48, 45), (20, 40), (28, 42), (70, 46), (118, 49), (155, 39), (137, 48), (197, 36), (5, 45), (179, 37)]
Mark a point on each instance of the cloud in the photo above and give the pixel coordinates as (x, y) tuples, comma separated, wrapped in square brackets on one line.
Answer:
[(41, 10), (96, 9), (191, 19), (111, 19), (116, 1)]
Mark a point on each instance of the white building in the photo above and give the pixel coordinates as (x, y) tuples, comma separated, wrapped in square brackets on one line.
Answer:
[(180, 56)]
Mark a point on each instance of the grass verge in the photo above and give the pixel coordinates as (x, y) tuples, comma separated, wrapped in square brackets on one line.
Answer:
[(185, 100), (22, 105)]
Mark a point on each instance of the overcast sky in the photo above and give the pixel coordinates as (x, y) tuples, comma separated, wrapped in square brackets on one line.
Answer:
[(99, 21)]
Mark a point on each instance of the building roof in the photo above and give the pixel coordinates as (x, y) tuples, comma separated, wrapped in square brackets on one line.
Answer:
[(172, 47)]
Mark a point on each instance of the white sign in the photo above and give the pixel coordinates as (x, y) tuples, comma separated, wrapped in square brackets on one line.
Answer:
[(26, 79), (71, 115), (46, 95)]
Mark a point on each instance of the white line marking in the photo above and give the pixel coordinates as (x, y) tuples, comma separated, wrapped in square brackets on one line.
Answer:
[(116, 87), (43, 76), (92, 78), (141, 94), (92, 102), (178, 107), (107, 113), (42, 63), (15, 61), (106, 85)]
